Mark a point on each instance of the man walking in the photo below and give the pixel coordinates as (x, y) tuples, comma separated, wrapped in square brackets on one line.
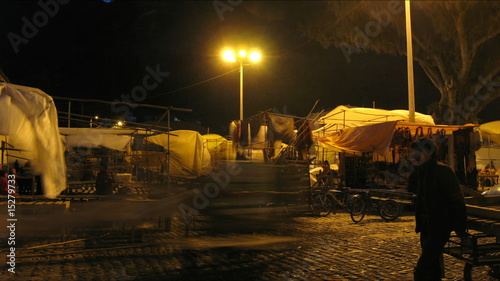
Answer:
[(440, 207)]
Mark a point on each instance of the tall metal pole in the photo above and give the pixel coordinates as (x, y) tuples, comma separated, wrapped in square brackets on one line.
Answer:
[(409, 56), (241, 90), (168, 151), (69, 114)]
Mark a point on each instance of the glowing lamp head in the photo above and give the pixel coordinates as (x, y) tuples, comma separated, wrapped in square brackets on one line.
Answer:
[(243, 53), (254, 57), (229, 56)]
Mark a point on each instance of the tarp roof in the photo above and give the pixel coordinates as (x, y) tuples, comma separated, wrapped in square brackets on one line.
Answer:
[(347, 117), (375, 138), (117, 139), (107, 131), (213, 140), (28, 121), (491, 130), (189, 155)]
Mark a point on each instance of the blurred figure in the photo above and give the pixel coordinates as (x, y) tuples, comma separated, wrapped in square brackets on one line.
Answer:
[(17, 166), (490, 167), (88, 175), (4, 184), (13, 171), (104, 181), (440, 207)]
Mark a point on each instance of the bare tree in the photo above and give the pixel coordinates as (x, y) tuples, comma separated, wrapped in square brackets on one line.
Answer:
[(457, 43)]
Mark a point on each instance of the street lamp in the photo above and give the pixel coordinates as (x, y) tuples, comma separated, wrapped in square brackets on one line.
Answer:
[(91, 119), (242, 56)]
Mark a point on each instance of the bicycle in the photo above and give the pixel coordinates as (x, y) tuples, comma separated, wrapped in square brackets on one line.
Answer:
[(325, 199), (322, 202), (387, 208)]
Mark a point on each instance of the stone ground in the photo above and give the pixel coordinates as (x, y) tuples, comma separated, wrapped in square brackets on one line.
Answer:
[(273, 246)]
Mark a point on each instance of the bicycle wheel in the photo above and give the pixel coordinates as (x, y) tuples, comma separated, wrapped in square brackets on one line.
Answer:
[(337, 203), (389, 210), (322, 205), (357, 208)]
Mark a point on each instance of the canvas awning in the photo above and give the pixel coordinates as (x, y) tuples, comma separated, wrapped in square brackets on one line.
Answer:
[(117, 139), (28, 121), (189, 155), (374, 138), (377, 137), (347, 117), (491, 130)]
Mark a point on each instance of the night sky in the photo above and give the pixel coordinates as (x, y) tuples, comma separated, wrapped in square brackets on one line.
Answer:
[(103, 50)]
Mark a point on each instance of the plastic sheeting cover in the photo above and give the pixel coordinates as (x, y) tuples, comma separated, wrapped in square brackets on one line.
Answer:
[(29, 120), (189, 155), (347, 117), (374, 138), (87, 137), (491, 130)]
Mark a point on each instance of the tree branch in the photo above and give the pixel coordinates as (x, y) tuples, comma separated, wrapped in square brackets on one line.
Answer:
[(432, 72), (463, 44), (481, 41)]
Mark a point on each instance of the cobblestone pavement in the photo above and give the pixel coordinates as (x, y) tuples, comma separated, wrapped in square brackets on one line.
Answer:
[(273, 247)]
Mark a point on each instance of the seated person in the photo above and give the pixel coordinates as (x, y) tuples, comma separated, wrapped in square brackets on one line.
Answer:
[(326, 176), (490, 167), (4, 184)]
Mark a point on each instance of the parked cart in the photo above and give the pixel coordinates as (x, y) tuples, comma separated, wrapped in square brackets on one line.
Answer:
[(481, 245)]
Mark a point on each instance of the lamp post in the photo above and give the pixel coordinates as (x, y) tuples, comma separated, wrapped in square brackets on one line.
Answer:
[(241, 57), (409, 62), (91, 120)]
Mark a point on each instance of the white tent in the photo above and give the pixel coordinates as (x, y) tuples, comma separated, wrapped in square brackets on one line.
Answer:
[(347, 117), (491, 132), (189, 155), (377, 137), (28, 121), (219, 147), (117, 139)]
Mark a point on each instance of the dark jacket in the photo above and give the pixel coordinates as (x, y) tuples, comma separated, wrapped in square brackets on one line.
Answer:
[(440, 204), (104, 182)]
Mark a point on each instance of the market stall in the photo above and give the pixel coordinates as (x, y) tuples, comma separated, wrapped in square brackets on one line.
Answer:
[(377, 153), (30, 134)]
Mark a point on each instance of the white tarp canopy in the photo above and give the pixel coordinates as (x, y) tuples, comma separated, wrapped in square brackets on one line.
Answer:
[(491, 130), (28, 121), (348, 117), (189, 155), (373, 138), (219, 147), (117, 139), (486, 154), (376, 137)]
